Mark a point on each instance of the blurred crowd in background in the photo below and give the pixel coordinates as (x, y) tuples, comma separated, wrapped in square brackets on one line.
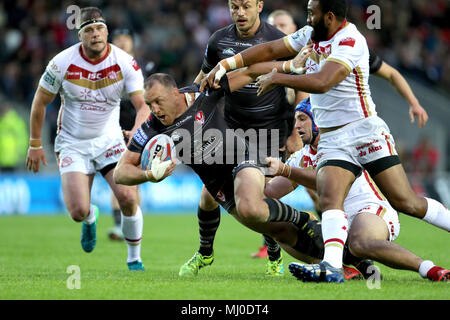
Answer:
[(171, 36)]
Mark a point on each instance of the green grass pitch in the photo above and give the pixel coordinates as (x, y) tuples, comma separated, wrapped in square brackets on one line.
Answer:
[(36, 252)]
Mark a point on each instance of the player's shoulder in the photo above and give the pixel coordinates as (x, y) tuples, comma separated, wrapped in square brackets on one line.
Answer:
[(302, 33), (62, 59), (349, 36), (226, 31)]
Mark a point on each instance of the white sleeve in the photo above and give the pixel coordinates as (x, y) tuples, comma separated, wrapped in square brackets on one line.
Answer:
[(133, 78), (294, 159), (297, 40), (51, 79), (348, 51)]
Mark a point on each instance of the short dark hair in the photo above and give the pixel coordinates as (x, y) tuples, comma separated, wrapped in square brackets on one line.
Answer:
[(338, 7), (91, 13), (163, 78)]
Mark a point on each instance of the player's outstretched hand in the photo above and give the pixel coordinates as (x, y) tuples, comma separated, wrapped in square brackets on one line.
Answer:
[(265, 82), (422, 115), (34, 158), (212, 79)]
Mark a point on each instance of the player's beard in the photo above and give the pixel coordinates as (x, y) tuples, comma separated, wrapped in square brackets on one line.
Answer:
[(320, 32)]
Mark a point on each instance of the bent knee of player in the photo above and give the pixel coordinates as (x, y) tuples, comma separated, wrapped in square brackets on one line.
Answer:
[(249, 210), (78, 212), (127, 198)]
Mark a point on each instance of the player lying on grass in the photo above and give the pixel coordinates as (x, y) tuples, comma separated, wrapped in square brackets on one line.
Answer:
[(373, 223), (237, 185)]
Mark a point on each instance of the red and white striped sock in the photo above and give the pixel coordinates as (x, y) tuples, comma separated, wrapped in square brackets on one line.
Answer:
[(132, 232), (334, 233)]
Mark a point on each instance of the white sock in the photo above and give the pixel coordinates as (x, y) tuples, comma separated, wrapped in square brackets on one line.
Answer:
[(90, 219), (132, 232), (425, 266), (334, 233), (437, 215)]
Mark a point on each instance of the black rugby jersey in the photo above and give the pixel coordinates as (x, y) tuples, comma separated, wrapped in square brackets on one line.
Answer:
[(243, 108), (201, 140)]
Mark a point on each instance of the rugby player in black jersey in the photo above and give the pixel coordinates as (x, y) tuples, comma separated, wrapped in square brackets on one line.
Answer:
[(244, 109), (237, 185)]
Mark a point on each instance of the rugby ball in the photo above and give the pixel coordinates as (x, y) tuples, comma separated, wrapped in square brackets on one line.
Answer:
[(154, 145)]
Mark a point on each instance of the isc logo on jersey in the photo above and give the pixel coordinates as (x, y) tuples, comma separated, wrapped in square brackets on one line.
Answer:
[(160, 142)]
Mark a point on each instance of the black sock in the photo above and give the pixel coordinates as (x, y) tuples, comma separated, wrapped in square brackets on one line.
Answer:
[(279, 211), (208, 222), (309, 239), (273, 248), (117, 215)]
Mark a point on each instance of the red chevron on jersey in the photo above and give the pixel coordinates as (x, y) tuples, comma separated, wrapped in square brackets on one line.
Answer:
[(347, 42)]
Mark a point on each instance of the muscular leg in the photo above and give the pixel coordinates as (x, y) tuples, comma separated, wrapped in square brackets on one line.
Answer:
[(333, 184), (76, 188), (394, 184), (368, 238), (132, 219), (208, 214)]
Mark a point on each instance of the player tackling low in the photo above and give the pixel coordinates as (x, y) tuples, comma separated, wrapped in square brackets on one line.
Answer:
[(353, 137), (90, 77)]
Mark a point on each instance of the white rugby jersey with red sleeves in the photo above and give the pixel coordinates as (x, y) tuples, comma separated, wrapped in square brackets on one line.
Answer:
[(91, 90), (363, 190), (350, 100)]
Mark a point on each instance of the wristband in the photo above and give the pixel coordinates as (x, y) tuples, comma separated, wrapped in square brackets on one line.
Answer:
[(292, 68), (35, 143), (234, 62), (35, 148)]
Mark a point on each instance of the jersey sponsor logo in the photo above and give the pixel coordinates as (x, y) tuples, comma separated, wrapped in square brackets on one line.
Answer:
[(349, 41), (49, 78), (91, 107), (140, 137), (93, 79), (228, 52)]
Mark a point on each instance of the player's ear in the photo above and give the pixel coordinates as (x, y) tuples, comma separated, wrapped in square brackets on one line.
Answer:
[(79, 36), (260, 5)]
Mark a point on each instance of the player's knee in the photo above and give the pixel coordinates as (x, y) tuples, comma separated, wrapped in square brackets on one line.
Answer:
[(78, 213), (359, 246), (248, 210), (127, 198)]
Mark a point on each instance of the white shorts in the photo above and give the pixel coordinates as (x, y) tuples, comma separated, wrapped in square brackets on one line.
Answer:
[(379, 208), (360, 143), (88, 156)]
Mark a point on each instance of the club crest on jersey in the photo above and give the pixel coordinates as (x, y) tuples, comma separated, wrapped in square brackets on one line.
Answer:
[(200, 117), (135, 65), (220, 196), (349, 41)]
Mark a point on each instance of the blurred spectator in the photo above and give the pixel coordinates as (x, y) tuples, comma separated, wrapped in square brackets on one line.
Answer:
[(425, 158), (13, 138), (171, 36)]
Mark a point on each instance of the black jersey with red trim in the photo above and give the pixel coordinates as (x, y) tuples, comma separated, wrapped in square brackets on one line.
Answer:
[(243, 108), (201, 139)]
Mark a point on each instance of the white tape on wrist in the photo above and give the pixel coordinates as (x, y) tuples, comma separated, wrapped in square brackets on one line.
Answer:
[(294, 69), (220, 73)]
